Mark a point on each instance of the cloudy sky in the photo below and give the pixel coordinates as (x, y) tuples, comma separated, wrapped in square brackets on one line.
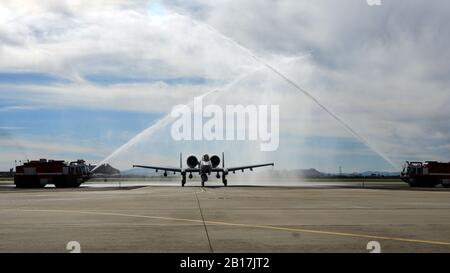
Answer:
[(79, 79)]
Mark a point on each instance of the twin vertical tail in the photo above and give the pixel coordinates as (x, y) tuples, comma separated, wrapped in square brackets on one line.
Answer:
[(223, 160)]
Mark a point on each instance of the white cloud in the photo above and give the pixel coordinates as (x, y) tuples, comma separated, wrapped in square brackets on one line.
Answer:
[(152, 98), (381, 69), (77, 41), (19, 148), (50, 147)]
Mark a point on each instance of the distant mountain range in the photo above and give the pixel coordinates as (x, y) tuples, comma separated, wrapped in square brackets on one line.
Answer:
[(106, 169), (275, 173), (377, 173), (141, 172)]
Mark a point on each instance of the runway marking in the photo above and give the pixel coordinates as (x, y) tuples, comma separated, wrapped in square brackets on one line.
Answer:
[(204, 224), (322, 232)]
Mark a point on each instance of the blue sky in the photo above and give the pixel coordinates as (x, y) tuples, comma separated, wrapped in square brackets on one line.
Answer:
[(29, 78), (77, 123), (80, 80), (25, 78)]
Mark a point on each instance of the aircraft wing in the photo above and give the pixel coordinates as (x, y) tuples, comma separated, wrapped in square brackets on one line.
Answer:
[(242, 167), (168, 169)]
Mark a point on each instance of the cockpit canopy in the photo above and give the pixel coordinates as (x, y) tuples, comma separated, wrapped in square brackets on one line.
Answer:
[(206, 157)]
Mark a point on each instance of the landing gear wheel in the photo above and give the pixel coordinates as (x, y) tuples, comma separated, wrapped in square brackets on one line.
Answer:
[(203, 183), (225, 182)]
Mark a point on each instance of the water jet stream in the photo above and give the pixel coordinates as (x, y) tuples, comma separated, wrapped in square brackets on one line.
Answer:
[(167, 119), (293, 84)]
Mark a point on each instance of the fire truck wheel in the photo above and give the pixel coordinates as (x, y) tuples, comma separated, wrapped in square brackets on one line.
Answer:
[(62, 185), (20, 185), (417, 185), (422, 185)]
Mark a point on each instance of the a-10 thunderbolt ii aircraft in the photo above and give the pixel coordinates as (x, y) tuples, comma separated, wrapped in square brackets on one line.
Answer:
[(204, 167)]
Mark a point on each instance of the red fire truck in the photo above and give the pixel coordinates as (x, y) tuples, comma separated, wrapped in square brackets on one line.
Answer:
[(428, 174), (38, 173)]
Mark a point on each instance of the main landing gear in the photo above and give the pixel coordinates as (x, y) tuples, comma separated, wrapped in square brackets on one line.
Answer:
[(224, 180), (204, 178)]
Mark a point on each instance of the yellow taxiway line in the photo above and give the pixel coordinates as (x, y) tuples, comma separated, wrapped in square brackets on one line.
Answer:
[(311, 231)]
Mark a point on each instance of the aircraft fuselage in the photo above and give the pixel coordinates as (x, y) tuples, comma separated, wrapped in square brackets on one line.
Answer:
[(205, 167)]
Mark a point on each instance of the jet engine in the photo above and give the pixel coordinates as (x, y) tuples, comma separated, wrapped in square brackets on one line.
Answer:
[(192, 161), (215, 161)]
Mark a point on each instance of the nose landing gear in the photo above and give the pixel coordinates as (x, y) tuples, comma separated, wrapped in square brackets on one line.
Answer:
[(204, 179), (183, 179)]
